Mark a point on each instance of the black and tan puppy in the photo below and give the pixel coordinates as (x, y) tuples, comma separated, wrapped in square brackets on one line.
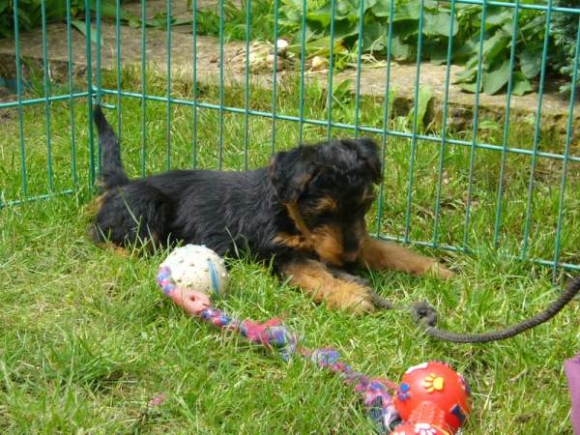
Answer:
[(305, 213)]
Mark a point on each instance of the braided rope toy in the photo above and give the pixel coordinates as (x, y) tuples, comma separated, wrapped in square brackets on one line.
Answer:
[(273, 335), (432, 397)]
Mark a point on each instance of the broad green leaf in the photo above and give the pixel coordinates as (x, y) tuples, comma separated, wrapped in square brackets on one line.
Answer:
[(374, 37), (494, 47), (467, 75), (400, 50), (496, 16), (469, 87), (321, 16), (439, 24), (81, 27), (382, 8), (408, 12), (521, 84), (536, 24), (531, 62), (494, 80), (438, 54), (424, 96)]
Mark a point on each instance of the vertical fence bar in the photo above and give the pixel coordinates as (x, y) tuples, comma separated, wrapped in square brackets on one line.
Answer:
[(143, 86), (194, 89), (386, 114), (168, 94), (168, 82), (500, 190), (221, 85), (475, 125), (47, 91), (23, 169), (330, 97), (98, 52), (71, 99), (415, 125), (302, 71), (275, 77), (118, 67), (359, 67), (89, 56), (443, 147), (99, 81), (536, 143), (566, 162), (247, 79)]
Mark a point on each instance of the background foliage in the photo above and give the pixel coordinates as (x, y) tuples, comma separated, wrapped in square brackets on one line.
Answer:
[(464, 24), (486, 42), (565, 29)]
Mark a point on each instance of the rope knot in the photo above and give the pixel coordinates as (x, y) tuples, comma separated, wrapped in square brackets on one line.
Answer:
[(425, 314)]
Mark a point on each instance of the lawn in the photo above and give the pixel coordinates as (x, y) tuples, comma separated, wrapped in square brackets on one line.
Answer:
[(88, 339)]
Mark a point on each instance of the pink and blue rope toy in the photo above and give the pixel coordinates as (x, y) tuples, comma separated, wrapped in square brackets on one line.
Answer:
[(383, 411)]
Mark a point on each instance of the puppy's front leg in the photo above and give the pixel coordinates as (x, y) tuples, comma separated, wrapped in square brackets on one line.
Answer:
[(317, 280), (379, 254)]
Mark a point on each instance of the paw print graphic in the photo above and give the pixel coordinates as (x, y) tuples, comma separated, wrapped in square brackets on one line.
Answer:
[(425, 429), (433, 383), (404, 392)]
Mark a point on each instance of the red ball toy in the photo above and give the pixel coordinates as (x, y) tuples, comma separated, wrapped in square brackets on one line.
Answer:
[(432, 399), (410, 428)]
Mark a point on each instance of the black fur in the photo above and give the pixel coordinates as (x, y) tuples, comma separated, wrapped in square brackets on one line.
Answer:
[(233, 211)]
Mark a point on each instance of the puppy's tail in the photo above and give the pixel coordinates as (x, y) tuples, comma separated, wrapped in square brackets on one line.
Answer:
[(112, 172)]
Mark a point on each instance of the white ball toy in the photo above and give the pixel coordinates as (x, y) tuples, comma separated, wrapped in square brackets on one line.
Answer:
[(195, 267)]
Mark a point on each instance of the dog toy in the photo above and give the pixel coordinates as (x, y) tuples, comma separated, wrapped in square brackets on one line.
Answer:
[(195, 267), (374, 391), (432, 399)]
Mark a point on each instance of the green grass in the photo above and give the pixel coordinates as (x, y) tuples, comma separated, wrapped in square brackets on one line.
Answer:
[(88, 339)]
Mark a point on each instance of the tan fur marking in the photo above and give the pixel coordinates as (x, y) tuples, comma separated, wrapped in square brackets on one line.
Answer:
[(379, 254), (316, 280), (295, 215), (119, 250), (293, 241), (327, 242), (326, 205), (91, 209)]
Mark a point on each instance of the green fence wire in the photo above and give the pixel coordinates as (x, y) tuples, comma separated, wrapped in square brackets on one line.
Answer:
[(35, 167)]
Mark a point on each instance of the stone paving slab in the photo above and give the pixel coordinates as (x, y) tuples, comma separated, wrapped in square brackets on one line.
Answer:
[(373, 80)]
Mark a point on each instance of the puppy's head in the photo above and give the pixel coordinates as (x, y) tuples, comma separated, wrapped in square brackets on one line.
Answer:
[(327, 190)]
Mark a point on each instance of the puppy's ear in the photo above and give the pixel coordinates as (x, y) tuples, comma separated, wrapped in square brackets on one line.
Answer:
[(291, 171), (368, 150)]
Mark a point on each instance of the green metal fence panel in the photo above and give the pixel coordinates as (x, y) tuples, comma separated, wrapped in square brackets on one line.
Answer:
[(498, 181)]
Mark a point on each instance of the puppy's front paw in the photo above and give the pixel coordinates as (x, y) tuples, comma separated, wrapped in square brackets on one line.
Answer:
[(439, 271), (351, 296)]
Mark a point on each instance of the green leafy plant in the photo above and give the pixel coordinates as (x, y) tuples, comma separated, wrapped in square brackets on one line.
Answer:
[(376, 16), (493, 56), (434, 23), (235, 20), (30, 14), (564, 30), (425, 96)]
